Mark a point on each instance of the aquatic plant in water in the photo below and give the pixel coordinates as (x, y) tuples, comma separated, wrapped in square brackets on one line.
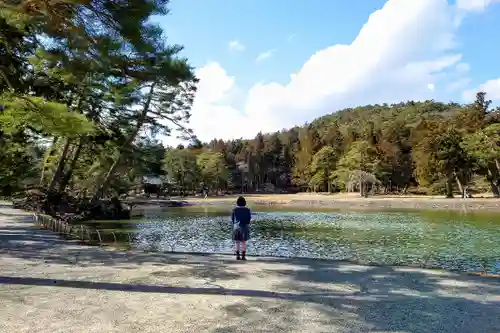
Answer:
[(376, 238)]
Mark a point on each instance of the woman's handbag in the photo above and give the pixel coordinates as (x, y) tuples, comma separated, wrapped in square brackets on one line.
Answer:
[(237, 230)]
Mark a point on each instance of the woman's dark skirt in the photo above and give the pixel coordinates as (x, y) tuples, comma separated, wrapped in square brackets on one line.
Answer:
[(241, 234)]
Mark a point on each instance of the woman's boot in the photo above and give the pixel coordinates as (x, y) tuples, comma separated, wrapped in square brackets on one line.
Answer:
[(243, 255), (238, 255)]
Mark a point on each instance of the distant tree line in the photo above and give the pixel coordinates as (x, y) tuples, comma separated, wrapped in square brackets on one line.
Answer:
[(426, 147)]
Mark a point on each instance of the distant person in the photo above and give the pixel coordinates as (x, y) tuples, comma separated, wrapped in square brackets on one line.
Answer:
[(241, 227)]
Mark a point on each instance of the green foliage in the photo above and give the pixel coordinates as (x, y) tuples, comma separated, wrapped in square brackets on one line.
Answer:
[(484, 145), (357, 157), (44, 117), (74, 73), (213, 169), (450, 155), (323, 163), (180, 165)]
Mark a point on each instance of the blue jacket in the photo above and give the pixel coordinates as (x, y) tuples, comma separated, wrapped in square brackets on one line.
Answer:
[(242, 215)]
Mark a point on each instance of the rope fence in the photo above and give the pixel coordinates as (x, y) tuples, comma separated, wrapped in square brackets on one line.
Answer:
[(81, 232)]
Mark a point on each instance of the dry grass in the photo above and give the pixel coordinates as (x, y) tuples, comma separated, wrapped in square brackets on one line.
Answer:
[(484, 202), (335, 197)]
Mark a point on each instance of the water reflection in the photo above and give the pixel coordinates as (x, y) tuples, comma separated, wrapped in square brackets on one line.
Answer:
[(447, 240)]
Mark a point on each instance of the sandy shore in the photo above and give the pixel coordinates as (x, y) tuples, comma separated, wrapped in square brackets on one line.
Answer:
[(355, 202), (51, 285)]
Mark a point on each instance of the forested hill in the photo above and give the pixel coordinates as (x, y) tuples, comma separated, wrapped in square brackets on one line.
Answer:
[(431, 146)]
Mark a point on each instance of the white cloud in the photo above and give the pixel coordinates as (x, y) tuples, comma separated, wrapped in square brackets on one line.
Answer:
[(265, 55), (291, 37), (475, 5), (402, 52), (212, 113), (491, 88), (236, 45)]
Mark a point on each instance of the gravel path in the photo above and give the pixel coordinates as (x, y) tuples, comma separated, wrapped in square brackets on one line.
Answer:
[(51, 285)]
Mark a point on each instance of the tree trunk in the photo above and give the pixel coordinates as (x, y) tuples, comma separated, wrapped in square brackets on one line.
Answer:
[(494, 188), (460, 186), (493, 183), (242, 184), (449, 187), (50, 152), (140, 122), (62, 160), (60, 166), (65, 181)]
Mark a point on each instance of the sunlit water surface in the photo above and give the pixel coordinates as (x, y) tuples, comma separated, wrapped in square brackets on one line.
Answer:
[(452, 240)]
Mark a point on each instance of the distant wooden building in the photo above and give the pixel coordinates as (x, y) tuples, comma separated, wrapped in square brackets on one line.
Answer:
[(152, 180), (152, 184)]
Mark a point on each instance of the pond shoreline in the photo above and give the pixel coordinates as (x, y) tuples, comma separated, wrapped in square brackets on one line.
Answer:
[(359, 261), (270, 292), (350, 202)]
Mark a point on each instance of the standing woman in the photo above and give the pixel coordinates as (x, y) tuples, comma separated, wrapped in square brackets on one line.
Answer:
[(241, 227)]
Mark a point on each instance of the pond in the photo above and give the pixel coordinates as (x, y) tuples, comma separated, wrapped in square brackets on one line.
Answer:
[(450, 240)]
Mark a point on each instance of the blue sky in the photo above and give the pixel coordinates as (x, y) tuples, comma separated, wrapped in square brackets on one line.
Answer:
[(415, 49), (206, 27)]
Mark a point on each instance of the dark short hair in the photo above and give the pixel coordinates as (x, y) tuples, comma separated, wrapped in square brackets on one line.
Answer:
[(241, 202)]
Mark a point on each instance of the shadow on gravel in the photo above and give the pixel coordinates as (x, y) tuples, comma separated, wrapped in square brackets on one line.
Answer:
[(379, 278), (399, 299), (389, 300), (24, 241), (53, 249), (8, 210), (14, 213), (409, 314), (401, 310), (370, 298), (28, 281), (264, 316)]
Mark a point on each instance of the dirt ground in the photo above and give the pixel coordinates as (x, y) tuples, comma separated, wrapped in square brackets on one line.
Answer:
[(355, 202)]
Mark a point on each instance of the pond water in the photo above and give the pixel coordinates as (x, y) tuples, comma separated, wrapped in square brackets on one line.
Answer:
[(451, 240)]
